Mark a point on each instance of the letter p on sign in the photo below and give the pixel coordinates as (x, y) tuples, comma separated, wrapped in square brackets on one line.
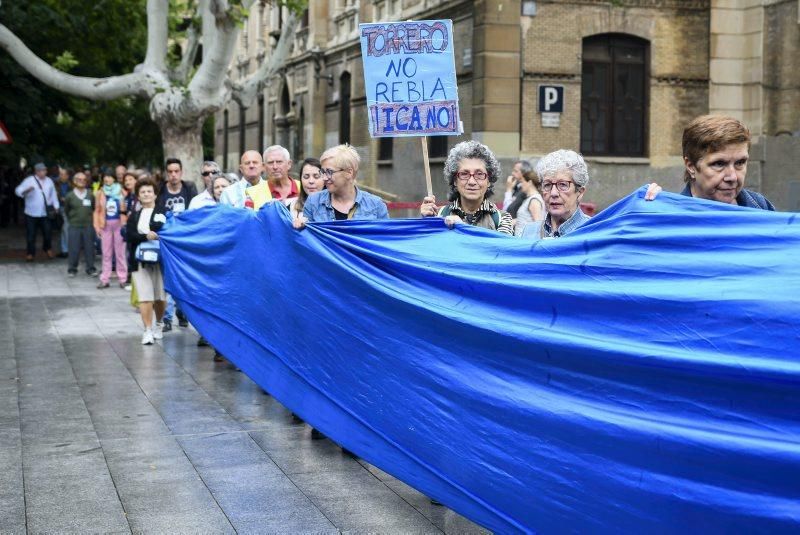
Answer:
[(551, 99)]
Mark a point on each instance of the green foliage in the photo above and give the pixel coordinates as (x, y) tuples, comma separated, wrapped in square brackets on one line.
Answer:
[(103, 38), (237, 12), (65, 61), (297, 6)]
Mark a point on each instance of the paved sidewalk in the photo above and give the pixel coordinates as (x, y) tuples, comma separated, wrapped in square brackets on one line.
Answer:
[(101, 434)]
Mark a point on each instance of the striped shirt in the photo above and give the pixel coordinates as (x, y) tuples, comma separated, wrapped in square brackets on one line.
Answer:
[(484, 216)]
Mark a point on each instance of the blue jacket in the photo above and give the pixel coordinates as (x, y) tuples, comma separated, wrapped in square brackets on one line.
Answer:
[(368, 206)]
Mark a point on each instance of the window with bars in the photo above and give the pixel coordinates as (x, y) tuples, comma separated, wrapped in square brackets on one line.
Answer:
[(614, 95)]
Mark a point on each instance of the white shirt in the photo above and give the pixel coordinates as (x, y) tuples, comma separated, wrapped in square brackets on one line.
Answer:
[(202, 199), (34, 202), (144, 220), (234, 194)]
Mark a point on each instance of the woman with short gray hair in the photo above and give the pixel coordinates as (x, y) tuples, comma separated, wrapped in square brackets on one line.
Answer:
[(471, 171), (564, 177)]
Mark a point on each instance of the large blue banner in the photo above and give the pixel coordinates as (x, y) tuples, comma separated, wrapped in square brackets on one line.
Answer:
[(410, 78), (639, 375)]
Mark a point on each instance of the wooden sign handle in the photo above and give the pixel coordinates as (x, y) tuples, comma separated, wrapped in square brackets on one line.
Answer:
[(427, 165)]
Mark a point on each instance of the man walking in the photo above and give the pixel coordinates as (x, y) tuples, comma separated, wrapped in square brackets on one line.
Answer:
[(174, 197), (39, 192)]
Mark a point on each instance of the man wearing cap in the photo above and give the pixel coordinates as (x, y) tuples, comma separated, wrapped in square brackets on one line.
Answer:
[(39, 192)]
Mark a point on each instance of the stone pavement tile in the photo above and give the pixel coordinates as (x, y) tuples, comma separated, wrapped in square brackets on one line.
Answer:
[(53, 414), (359, 502), (249, 486), (244, 400), (445, 519), (295, 452), (68, 489), (181, 403), (375, 471), (12, 492), (116, 403), (160, 489), (9, 409)]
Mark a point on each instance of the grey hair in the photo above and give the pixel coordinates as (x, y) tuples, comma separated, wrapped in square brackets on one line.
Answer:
[(232, 177), (562, 160), (273, 148), (524, 166), (211, 163), (463, 151)]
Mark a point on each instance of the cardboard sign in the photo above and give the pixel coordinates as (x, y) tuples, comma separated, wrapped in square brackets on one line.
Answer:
[(410, 78)]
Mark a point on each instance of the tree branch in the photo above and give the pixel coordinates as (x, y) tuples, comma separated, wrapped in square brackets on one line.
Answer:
[(189, 55), (246, 91), (157, 34), (209, 81), (134, 84)]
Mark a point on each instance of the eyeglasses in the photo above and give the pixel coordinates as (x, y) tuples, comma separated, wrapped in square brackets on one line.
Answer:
[(479, 176), (209, 173), (330, 172), (561, 185)]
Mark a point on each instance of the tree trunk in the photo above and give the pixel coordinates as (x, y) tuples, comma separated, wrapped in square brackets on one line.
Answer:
[(186, 144)]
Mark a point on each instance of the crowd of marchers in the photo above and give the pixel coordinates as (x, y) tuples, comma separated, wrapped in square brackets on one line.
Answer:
[(542, 201)]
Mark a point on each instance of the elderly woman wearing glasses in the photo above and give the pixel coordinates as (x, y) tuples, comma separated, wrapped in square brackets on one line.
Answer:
[(341, 199), (471, 171), (564, 177)]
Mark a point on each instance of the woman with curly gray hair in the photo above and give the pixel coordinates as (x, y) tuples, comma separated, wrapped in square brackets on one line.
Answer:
[(471, 171)]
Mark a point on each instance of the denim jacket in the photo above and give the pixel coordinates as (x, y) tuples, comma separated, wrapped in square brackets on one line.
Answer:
[(318, 207), (543, 229)]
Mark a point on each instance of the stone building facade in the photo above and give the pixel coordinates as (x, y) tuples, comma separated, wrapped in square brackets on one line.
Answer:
[(632, 72)]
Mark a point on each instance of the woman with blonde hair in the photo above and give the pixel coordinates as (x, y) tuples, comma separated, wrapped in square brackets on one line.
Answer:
[(342, 198)]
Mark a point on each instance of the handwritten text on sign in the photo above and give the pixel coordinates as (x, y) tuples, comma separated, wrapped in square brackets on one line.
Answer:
[(410, 78)]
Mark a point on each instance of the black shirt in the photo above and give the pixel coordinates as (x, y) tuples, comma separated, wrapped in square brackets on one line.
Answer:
[(339, 215), (176, 202)]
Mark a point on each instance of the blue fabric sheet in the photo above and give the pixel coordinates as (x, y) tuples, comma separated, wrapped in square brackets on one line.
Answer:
[(639, 375)]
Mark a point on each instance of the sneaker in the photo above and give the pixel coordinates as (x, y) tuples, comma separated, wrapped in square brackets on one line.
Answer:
[(218, 357), (91, 273), (167, 326), (158, 331), (128, 287), (71, 274), (147, 337), (102, 285), (183, 322), (122, 285), (202, 342)]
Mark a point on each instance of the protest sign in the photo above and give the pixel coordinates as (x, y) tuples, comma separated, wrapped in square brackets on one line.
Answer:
[(410, 81), (410, 78)]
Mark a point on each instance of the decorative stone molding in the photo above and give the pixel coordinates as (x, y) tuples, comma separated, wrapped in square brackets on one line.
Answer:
[(549, 76), (674, 80), (661, 4)]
